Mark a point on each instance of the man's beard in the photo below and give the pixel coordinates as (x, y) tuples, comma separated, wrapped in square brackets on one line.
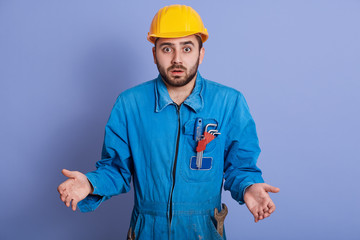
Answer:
[(178, 81)]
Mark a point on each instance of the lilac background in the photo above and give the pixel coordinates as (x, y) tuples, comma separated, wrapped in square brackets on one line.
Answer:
[(63, 63)]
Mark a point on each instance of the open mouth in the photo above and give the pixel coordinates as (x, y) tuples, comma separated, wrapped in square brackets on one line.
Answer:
[(177, 71)]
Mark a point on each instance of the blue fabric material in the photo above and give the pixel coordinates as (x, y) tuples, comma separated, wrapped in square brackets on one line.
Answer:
[(141, 138)]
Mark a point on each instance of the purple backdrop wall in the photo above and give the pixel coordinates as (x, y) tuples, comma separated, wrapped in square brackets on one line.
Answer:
[(62, 65)]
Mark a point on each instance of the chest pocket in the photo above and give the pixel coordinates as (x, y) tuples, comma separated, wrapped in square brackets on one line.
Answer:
[(212, 163)]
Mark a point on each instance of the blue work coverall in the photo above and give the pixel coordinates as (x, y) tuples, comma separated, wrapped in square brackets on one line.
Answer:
[(151, 138)]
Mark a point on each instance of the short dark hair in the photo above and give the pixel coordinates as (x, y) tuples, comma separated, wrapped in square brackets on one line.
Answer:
[(197, 37), (200, 41)]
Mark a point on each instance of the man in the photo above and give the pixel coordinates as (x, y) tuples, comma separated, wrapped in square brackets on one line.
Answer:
[(152, 135)]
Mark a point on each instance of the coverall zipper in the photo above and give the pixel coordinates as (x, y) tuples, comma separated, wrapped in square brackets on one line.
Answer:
[(174, 166)]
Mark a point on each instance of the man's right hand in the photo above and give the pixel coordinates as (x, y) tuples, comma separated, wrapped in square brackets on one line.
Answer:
[(74, 189)]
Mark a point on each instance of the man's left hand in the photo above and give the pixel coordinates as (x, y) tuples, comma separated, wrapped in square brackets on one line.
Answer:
[(258, 201)]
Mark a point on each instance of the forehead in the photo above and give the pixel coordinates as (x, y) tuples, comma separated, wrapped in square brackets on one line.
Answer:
[(178, 41)]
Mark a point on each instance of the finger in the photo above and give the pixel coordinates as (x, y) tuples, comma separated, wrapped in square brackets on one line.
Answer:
[(271, 207), (74, 204), (272, 189), (261, 215), (256, 216), (265, 209), (63, 197), (266, 215), (68, 200), (61, 188), (69, 174)]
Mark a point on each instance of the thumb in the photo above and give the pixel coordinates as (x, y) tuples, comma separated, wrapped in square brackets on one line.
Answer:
[(69, 174), (272, 189)]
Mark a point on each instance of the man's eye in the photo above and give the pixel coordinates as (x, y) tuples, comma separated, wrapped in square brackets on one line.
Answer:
[(187, 49), (167, 49)]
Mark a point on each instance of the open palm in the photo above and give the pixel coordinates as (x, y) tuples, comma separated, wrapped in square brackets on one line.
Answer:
[(258, 201), (74, 189)]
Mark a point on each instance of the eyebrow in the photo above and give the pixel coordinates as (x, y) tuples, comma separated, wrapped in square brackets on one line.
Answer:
[(187, 42), (171, 44)]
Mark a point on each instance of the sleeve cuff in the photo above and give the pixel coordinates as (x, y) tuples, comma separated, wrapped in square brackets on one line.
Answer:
[(92, 179), (92, 201)]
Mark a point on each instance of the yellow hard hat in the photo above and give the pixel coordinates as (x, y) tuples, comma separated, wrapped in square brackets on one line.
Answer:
[(176, 21)]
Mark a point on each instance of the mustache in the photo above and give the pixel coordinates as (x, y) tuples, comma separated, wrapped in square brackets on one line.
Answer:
[(177, 67)]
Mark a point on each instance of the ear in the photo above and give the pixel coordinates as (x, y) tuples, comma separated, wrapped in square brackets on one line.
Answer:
[(202, 54), (154, 54)]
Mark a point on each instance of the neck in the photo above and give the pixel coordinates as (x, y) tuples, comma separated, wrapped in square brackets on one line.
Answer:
[(179, 94)]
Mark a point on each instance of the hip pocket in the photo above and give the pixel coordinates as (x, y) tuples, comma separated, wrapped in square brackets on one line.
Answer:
[(214, 233)]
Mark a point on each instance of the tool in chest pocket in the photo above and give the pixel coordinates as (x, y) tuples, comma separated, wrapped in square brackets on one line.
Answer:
[(204, 139)]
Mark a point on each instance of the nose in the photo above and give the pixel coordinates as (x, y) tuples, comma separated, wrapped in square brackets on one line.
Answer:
[(176, 57)]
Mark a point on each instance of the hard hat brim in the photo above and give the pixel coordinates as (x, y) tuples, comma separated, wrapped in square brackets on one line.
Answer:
[(152, 37)]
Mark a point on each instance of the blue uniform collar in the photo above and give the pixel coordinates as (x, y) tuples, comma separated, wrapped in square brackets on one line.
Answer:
[(162, 97)]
